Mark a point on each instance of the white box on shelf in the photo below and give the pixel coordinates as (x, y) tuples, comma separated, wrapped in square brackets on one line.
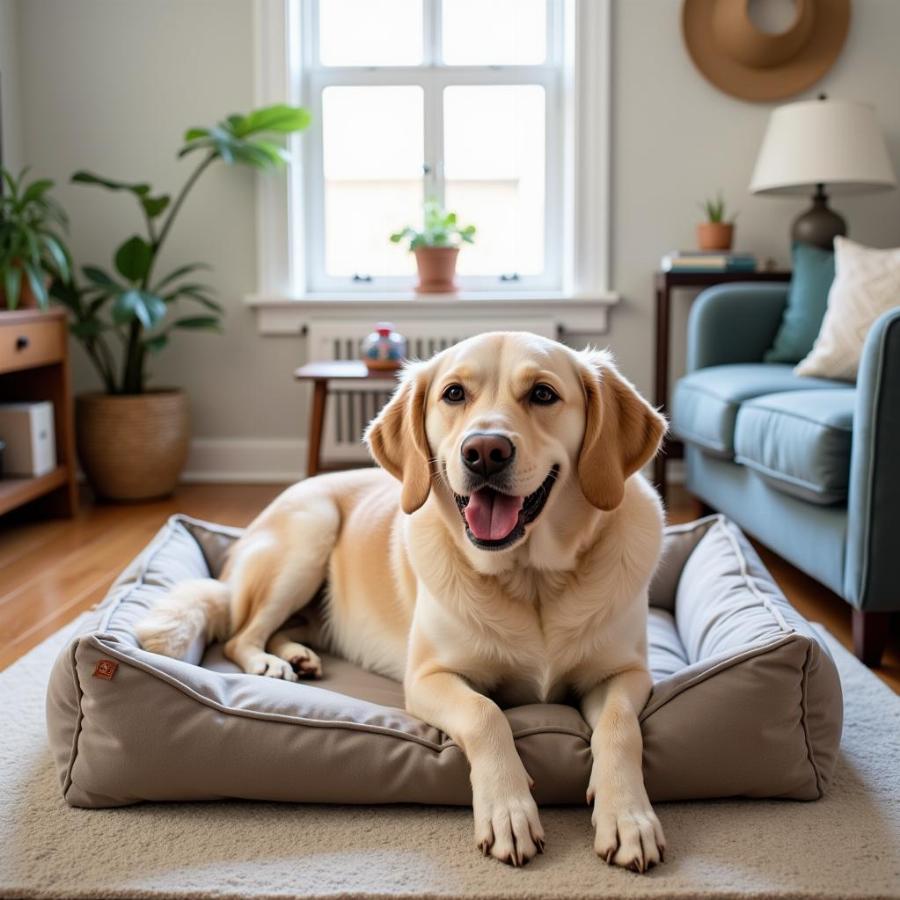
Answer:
[(27, 429)]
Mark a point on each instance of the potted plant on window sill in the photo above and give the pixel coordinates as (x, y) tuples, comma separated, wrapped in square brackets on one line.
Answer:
[(436, 248), (133, 440), (32, 252)]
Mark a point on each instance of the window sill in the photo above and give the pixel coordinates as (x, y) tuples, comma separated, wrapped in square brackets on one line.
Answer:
[(573, 314)]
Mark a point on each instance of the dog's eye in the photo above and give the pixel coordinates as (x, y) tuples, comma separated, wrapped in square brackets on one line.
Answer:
[(543, 395), (453, 393)]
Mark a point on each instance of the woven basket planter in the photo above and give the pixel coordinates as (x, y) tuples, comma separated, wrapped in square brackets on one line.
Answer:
[(132, 447)]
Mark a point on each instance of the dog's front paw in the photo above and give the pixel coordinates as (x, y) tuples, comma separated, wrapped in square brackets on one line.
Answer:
[(301, 659), (627, 832), (271, 666), (507, 825)]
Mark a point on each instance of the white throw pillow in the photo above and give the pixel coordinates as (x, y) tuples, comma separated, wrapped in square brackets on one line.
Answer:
[(866, 284)]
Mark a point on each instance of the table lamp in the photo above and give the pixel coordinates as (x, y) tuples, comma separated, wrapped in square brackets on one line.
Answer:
[(816, 143)]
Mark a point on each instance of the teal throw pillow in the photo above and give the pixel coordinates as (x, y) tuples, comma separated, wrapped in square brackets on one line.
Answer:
[(813, 272)]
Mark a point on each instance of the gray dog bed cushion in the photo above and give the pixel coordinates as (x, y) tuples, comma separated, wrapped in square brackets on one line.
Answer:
[(746, 701)]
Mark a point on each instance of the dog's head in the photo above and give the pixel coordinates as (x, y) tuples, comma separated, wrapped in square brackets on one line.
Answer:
[(499, 421)]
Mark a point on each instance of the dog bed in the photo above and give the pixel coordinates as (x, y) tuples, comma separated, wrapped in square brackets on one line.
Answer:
[(746, 701)]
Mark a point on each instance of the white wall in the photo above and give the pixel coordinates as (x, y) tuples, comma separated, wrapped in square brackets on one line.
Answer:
[(9, 85), (111, 84)]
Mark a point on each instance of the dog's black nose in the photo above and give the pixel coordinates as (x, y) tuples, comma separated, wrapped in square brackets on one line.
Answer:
[(487, 452)]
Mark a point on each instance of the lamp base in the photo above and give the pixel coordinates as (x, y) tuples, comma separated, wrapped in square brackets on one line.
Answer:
[(820, 224)]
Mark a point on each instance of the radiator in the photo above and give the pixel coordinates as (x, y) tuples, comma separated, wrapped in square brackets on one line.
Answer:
[(353, 404)]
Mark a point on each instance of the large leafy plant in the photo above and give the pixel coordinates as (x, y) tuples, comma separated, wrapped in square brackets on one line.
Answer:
[(439, 229), (121, 316), (31, 248)]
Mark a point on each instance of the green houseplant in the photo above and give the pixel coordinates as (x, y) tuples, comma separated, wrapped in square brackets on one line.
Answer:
[(716, 233), (436, 247), (32, 251), (133, 441)]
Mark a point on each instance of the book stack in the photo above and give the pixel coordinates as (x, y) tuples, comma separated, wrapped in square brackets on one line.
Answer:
[(708, 261)]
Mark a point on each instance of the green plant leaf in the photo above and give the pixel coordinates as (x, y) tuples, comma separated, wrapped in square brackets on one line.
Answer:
[(95, 304), (129, 305), (156, 343), (36, 190), (192, 134), (58, 254), (139, 189), (133, 258), (12, 285), (180, 272), (280, 118), (154, 206), (156, 306), (211, 323), (88, 328), (199, 293), (38, 285), (147, 308), (99, 277)]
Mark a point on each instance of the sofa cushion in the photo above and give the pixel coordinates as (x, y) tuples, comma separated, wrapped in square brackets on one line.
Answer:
[(706, 402), (813, 273), (799, 441)]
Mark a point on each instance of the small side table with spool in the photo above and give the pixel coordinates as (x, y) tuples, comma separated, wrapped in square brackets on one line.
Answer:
[(383, 351)]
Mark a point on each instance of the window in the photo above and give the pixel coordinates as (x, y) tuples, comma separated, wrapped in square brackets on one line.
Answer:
[(458, 100)]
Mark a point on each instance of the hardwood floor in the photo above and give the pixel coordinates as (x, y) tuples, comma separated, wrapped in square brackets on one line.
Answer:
[(51, 571)]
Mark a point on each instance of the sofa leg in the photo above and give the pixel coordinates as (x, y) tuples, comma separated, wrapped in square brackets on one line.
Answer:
[(870, 631)]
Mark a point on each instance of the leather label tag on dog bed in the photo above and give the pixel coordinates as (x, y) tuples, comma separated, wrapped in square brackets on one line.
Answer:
[(105, 668)]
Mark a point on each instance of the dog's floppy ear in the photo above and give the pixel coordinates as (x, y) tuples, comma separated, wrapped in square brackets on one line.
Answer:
[(622, 431), (396, 437)]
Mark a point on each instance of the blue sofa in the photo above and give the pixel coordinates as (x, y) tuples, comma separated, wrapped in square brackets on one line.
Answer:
[(809, 466)]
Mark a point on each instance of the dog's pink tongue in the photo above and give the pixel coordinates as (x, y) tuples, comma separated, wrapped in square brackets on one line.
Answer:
[(491, 516)]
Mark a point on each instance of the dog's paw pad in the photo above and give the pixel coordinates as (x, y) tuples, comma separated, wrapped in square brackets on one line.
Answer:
[(305, 667)]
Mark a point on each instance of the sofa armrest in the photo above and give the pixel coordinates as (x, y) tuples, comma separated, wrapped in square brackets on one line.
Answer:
[(870, 570), (734, 323)]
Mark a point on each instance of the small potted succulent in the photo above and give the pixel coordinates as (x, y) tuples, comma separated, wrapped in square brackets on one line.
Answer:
[(436, 247), (32, 251), (133, 439), (716, 233)]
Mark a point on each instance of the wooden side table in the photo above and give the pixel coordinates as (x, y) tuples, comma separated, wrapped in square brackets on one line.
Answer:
[(665, 283), (320, 374), (34, 366)]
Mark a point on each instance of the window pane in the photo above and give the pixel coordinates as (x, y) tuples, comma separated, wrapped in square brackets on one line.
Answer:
[(494, 32), (370, 32), (372, 159), (494, 169)]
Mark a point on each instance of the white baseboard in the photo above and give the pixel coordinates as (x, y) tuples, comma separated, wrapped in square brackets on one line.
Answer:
[(249, 460)]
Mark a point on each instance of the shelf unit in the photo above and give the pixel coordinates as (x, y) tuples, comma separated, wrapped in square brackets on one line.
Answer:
[(34, 366)]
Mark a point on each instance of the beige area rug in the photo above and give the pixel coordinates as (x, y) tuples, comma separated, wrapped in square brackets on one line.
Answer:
[(847, 845)]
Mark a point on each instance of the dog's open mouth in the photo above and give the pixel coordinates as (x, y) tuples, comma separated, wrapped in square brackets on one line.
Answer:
[(495, 520)]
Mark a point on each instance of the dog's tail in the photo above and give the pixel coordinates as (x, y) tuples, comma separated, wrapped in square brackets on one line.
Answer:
[(193, 608)]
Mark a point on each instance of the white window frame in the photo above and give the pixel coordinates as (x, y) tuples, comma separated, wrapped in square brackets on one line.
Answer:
[(577, 159)]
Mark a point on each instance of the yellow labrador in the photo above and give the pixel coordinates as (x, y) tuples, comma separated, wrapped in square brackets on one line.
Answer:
[(508, 557)]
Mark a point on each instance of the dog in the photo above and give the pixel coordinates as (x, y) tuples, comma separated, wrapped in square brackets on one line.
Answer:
[(502, 552)]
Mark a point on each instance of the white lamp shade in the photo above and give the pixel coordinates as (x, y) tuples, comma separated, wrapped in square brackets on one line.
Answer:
[(833, 142)]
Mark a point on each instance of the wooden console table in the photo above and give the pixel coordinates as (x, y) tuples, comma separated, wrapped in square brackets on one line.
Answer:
[(34, 366), (665, 283)]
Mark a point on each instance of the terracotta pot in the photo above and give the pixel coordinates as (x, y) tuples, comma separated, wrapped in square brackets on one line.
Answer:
[(715, 235), (437, 269), (132, 446)]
